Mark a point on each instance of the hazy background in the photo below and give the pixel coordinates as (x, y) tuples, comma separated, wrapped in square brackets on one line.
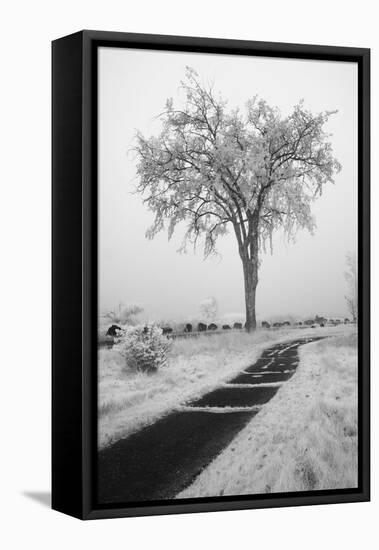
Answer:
[(305, 278)]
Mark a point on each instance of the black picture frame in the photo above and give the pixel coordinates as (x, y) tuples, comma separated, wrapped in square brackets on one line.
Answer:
[(74, 271)]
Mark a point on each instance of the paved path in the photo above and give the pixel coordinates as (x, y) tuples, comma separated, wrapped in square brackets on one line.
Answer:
[(160, 460)]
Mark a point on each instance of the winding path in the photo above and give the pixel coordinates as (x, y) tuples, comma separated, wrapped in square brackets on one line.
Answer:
[(162, 459)]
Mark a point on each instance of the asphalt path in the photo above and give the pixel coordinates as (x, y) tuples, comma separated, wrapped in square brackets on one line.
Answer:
[(162, 459)]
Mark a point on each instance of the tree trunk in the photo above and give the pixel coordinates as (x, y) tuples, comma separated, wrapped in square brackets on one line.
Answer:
[(250, 272), (248, 251)]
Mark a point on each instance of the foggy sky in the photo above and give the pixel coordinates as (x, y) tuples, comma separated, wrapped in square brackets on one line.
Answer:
[(302, 279)]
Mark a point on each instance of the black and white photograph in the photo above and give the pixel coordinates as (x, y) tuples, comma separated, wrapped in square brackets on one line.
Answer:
[(188, 316), (227, 326)]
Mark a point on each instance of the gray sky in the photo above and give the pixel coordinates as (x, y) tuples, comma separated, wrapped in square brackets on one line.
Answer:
[(302, 279)]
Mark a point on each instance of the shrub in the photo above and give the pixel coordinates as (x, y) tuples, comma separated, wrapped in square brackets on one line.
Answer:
[(144, 348)]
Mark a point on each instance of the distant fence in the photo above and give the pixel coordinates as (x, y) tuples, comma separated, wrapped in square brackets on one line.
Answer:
[(105, 344), (197, 333), (108, 344)]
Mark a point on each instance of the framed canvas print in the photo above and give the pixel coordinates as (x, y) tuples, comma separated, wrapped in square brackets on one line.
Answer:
[(210, 274)]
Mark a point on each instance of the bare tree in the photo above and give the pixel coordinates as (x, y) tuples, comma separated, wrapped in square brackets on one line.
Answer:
[(215, 168), (351, 276), (209, 308), (123, 315)]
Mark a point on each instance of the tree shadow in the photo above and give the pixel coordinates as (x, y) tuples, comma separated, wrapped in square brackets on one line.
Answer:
[(42, 497)]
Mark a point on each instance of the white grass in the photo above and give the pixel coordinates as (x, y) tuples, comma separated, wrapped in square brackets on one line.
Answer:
[(219, 410), (305, 438), (243, 386), (129, 400)]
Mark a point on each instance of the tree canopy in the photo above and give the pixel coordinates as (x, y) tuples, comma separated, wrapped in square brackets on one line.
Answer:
[(213, 167)]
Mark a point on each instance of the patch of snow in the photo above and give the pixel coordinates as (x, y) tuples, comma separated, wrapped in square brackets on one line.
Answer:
[(220, 410), (263, 385)]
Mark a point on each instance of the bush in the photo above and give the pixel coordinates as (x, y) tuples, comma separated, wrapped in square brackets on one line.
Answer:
[(144, 348)]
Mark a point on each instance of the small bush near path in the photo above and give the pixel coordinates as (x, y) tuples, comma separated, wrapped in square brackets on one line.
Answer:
[(144, 348)]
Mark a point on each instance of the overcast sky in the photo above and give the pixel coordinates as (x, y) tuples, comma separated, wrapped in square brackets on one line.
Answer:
[(304, 278)]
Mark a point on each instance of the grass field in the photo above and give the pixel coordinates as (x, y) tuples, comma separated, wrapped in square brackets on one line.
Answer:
[(129, 400), (305, 438)]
